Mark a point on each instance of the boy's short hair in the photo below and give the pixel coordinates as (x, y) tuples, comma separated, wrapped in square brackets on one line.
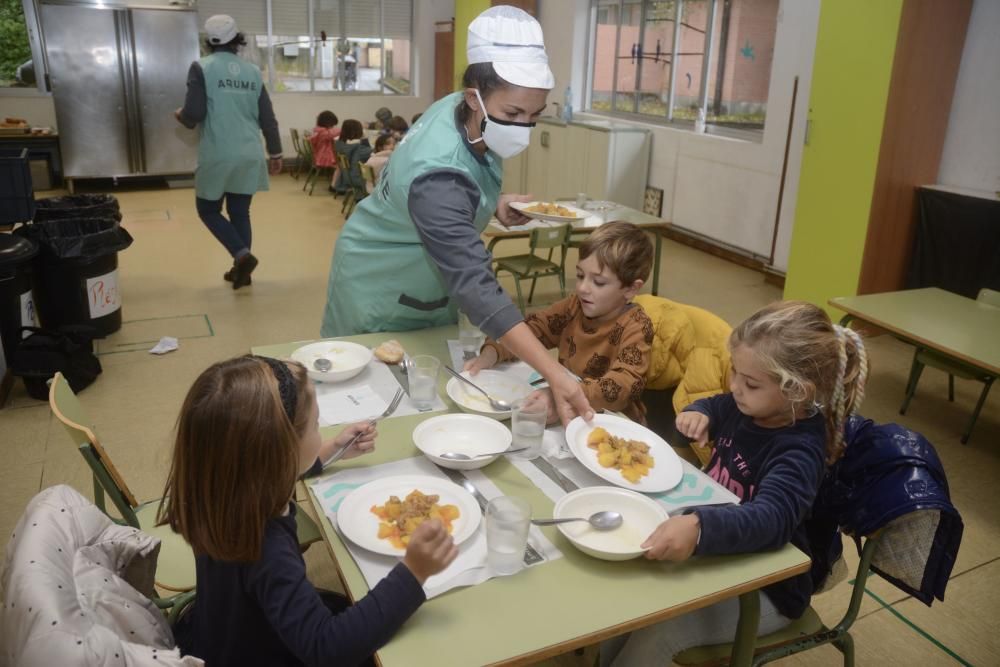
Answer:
[(621, 247), (382, 140)]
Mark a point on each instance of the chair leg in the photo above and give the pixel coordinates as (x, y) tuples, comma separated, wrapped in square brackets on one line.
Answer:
[(520, 297), (975, 413), (562, 283), (911, 386), (531, 292), (846, 646), (951, 388), (309, 176)]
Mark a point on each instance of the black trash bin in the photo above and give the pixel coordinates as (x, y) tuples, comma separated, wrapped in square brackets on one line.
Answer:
[(77, 206), (17, 307), (17, 197), (76, 272)]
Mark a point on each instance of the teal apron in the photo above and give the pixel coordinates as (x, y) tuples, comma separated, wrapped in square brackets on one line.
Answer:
[(381, 278), (230, 153)]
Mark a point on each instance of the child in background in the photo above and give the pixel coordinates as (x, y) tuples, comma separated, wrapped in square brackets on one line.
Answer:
[(322, 138), (796, 377), (601, 335), (384, 146), (247, 430), (398, 126), (355, 147)]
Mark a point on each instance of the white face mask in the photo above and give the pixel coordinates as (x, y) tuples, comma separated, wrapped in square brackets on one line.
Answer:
[(503, 137)]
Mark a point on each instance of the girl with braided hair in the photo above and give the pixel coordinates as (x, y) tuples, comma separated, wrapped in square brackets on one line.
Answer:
[(796, 377)]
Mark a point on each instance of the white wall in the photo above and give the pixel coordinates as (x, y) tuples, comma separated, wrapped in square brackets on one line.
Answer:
[(971, 157), (722, 188), (300, 109)]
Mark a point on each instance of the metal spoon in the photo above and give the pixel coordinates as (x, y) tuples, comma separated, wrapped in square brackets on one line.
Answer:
[(458, 456), (496, 403), (599, 520), (322, 365)]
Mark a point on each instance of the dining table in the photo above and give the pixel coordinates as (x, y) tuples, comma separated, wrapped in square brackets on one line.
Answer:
[(598, 213), (553, 607)]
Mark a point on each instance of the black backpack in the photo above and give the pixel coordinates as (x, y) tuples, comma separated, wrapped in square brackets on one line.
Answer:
[(69, 351)]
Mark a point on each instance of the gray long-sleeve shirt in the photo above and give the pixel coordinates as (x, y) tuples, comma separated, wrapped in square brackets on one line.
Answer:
[(196, 108), (441, 204)]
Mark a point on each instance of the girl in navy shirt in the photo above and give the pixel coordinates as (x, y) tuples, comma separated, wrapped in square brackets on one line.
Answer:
[(795, 378), (248, 429)]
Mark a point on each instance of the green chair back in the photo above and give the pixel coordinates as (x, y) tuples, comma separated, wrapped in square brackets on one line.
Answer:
[(296, 142), (107, 480), (549, 237)]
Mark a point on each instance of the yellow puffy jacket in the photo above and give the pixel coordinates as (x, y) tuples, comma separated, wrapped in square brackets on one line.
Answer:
[(689, 350)]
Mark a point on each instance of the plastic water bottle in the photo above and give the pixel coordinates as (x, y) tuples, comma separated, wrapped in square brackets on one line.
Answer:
[(567, 110)]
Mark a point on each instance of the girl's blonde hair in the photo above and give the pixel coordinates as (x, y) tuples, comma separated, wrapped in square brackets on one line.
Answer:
[(236, 456), (813, 360)]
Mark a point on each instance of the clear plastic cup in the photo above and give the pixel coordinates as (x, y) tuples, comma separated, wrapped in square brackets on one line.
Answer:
[(423, 380), (527, 423), (507, 522)]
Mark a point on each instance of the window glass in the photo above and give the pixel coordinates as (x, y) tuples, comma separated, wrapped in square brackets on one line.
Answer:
[(605, 46), (16, 68)]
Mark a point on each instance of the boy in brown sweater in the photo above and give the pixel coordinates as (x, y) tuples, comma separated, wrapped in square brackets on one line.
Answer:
[(601, 335)]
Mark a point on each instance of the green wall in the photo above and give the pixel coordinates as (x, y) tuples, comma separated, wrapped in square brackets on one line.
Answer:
[(465, 12), (850, 85)]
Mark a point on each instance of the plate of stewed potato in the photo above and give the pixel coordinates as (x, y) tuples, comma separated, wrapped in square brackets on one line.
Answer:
[(624, 453), (551, 211), (382, 515)]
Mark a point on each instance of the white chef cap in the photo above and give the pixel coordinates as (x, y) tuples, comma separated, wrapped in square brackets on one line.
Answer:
[(511, 39)]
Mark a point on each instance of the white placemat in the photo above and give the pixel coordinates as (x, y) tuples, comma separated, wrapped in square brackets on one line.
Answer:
[(469, 569), (695, 488), (365, 395)]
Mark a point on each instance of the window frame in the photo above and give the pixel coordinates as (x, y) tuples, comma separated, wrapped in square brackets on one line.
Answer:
[(710, 60)]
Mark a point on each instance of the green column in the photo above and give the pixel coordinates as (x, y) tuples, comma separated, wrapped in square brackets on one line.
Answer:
[(855, 47), (465, 12)]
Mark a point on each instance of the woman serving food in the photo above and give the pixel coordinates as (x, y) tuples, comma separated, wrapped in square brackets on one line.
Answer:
[(411, 254)]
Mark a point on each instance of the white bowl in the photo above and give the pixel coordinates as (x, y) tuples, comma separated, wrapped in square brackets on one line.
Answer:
[(465, 434), (497, 384), (641, 515), (347, 359)]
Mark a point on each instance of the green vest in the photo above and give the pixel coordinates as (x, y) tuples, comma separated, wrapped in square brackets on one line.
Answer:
[(230, 155), (381, 278)]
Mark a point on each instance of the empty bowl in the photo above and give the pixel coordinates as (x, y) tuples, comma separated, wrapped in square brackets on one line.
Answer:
[(641, 515), (497, 384), (346, 359), (465, 434)]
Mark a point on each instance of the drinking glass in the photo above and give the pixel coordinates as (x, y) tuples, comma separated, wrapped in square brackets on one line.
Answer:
[(469, 336), (528, 426), (423, 378), (507, 521)]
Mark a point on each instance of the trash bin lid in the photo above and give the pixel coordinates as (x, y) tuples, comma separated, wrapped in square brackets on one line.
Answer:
[(15, 250)]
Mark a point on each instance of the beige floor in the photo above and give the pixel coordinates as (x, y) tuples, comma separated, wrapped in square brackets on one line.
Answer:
[(171, 280)]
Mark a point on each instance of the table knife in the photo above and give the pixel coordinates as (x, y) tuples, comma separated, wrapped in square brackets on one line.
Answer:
[(550, 471)]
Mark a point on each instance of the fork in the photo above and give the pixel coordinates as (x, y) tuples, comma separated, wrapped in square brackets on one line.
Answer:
[(339, 454)]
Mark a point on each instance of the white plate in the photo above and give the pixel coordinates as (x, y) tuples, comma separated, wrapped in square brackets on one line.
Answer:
[(666, 472), (356, 521), (348, 359), (465, 434), (523, 206), (497, 384), (641, 516)]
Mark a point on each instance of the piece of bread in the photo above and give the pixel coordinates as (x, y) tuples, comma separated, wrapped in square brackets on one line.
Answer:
[(391, 352)]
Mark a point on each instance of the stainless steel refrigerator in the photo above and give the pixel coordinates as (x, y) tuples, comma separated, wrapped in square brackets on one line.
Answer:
[(117, 72)]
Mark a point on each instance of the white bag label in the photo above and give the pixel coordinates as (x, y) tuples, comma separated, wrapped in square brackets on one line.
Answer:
[(29, 318), (102, 294)]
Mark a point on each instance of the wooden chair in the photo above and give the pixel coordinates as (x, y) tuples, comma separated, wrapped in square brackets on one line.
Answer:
[(175, 569), (953, 367), (303, 159), (803, 634), (353, 193), (533, 266), (368, 174)]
